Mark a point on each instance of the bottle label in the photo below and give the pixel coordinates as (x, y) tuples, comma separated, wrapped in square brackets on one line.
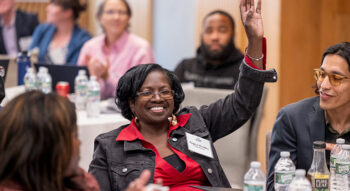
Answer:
[(92, 93), (342, 168), (321, 182), (249, 187), (332, 162), (284, 177)]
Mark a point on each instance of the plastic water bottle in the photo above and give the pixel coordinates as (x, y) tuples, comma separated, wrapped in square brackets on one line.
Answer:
[(334, 155), (30, 81), (44, 80), (93, 98), (254, 179), (299, 182), (284, 172), (81, 89), (23, 62), (342, 169)]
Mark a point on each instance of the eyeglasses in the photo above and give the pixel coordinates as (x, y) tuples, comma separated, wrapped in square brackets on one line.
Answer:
[(165, 94), (118, 12), (334, 79)]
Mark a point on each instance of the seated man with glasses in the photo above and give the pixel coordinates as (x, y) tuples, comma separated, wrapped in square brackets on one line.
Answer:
[(325, 117)]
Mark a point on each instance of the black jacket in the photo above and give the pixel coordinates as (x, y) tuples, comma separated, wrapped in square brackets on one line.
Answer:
[(116, 163), (204, 74), (25, 24)]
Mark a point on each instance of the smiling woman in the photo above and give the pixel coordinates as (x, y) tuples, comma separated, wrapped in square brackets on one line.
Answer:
[(176, 146)]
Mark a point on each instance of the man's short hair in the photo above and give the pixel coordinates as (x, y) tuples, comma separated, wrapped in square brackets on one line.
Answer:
[(221, 12)]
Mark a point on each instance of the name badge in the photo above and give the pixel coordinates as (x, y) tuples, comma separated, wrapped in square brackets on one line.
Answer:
[(199, 145)]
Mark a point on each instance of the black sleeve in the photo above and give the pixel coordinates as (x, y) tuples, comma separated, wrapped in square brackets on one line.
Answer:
[(283, 139), (227, 115), (99, 166)]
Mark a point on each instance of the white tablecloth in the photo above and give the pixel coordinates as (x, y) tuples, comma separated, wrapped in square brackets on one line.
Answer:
[(88, 128)]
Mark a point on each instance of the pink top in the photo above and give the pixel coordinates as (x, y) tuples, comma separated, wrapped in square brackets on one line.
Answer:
[(130, 50)]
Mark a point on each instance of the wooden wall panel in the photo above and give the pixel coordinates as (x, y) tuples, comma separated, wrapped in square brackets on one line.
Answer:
[(142, 19), (300, 48), (308, 28), (39, 8)]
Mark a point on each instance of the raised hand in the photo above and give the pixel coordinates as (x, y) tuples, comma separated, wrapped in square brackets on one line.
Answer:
[(253, 26), (251, 19)]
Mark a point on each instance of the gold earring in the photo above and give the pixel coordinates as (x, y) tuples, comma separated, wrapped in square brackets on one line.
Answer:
[(137, 120), (173, 120)]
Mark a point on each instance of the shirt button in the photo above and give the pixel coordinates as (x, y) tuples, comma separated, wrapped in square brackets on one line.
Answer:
[(174, 139), (125, 169), (210, 170)]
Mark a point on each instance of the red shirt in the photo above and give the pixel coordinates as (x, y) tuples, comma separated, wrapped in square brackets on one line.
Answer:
[(251, 64), (191, 175)]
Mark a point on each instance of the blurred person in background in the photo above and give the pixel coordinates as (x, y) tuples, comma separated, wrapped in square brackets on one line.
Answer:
[(111, 54), (60, 39), (39, 145), (324, 117), (217, 62), (16, 28)]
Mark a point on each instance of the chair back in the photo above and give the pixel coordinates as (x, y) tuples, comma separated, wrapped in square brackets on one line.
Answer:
[(237, 149)]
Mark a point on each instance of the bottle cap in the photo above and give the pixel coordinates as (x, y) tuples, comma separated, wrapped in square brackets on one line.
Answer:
[(347, 147), (300, 172), (340, 141), (82, 72), (285, 154), (42, 69), (255, 164), (319, 145), (93, 78), (30, 70)]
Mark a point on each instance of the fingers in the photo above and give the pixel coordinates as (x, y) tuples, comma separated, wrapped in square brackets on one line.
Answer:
[(243, 6), (144, 177), (87, 60), (139, 183), (250, 4), (258, 7), (159, 181)]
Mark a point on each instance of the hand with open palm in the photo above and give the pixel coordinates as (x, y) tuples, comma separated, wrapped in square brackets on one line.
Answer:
[(253, 25)]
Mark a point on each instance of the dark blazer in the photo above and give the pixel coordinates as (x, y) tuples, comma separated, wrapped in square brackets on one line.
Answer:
[(25, 24), (297, 126)]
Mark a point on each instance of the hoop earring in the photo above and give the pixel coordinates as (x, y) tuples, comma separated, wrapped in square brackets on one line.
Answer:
[(137, 121), (172, 120)]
